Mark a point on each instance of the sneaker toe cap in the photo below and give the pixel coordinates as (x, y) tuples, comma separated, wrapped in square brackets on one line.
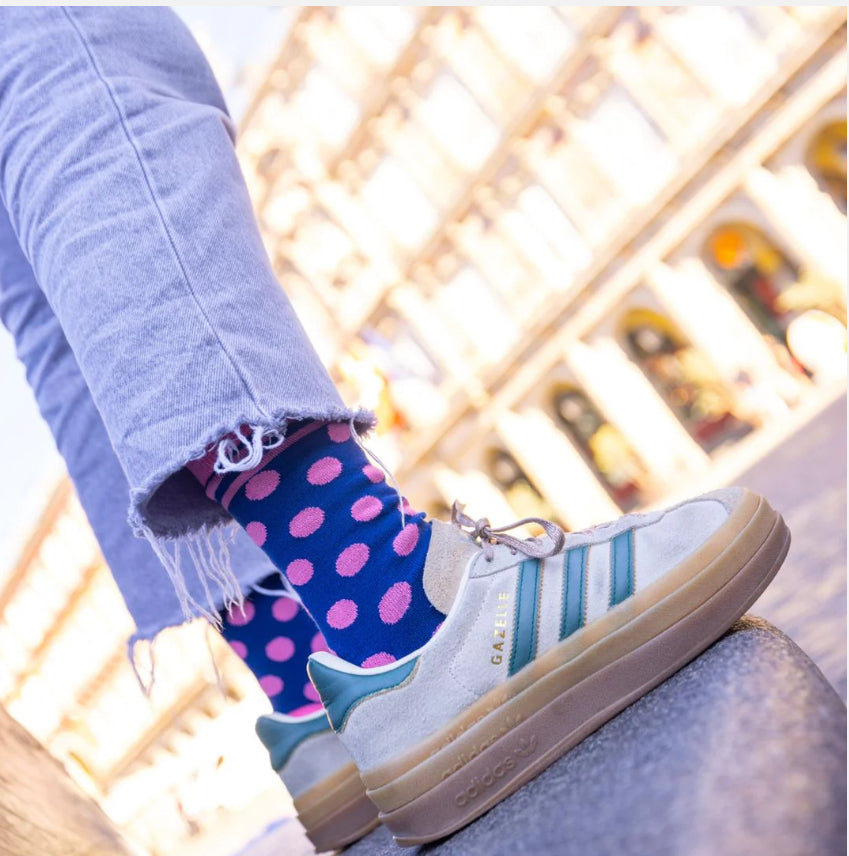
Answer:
[(683, 529)]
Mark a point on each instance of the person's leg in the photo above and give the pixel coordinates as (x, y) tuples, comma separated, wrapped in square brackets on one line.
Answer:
[(122, 186), (271, 632), (101, 486), (118, 172), (331, 523)]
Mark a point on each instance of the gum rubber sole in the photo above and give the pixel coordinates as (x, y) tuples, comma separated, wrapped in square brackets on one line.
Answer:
[(337, 812), (485, 762), (347, 825)]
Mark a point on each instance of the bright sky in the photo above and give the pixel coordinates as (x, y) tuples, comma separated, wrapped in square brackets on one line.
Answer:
[(239, 42)]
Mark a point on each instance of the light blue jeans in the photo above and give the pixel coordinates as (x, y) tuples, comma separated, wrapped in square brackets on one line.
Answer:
[(136, 285)]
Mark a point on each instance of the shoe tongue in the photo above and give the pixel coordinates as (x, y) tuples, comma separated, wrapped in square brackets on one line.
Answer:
[(447, 556)]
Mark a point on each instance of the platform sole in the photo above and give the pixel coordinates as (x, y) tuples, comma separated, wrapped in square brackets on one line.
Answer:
[(337, 812)]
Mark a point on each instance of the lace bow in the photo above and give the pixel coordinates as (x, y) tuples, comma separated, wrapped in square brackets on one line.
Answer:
[(483, 531)]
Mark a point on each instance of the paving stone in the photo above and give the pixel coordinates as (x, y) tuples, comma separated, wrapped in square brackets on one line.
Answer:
[(805, 479), (741, 752)]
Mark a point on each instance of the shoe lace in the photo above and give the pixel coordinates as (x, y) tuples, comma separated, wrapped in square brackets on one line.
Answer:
[(488, 535)]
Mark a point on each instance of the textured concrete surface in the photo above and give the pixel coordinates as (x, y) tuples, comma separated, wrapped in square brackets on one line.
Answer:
[(805, 479), (42, 812), (741, 752)]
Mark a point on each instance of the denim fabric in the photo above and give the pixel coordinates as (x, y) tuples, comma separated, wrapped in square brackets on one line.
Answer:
[(66, 405), (118, 173)]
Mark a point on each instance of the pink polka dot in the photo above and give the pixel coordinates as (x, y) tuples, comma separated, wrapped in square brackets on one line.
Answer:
[(256, 532), (306, 522), (305, 709), (395, 603), (351, 560), (366, 508), (280, 649), (311, 692), (324, 471), (239, 617), (406, 540), (373, 474), (299, 571), (240, 648), (380, 659), (339, 432), (262, 484), (284, 609), (342, 614), (271, 685), (408, 509), (319, 643)]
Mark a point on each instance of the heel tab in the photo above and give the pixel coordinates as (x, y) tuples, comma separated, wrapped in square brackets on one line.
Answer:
[(282, 735), (343, 686)]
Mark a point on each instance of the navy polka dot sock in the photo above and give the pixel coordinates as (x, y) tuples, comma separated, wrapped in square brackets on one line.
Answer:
[(275, 637), (327, 519)]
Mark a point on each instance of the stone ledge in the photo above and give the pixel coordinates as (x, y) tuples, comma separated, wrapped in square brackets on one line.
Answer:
[(42, 811), (741, 752)]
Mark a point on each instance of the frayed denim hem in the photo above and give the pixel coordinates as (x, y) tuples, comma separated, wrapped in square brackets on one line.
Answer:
[(190, 533), (141, 653), (173, 510)]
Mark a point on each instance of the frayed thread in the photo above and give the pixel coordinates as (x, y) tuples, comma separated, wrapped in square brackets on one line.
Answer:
[(240, 452), (196, 510), (209, 554), (286, 589), (147, 680)]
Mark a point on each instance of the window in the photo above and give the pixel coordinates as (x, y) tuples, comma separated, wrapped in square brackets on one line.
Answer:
[(775, 293), (518, 488), (721, 48), (466, 296), (755, 271), (532, 37), (399, 203), (457, 122), (826, 159), (323, 106), (684, 377), (602, 444), (382, 32), (575, 180), (627, 145)]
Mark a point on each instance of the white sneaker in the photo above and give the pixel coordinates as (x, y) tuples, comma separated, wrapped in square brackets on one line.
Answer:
[(545, 640), (321, 778)]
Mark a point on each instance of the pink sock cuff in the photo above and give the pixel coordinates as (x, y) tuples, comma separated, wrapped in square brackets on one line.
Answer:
[(203, 469)]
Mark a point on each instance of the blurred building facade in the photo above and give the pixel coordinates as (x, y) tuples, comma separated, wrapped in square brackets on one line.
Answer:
[(571, 256), (577, 259), (165, 767)]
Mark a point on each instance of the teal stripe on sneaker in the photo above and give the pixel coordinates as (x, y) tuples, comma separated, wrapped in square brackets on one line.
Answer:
[(526, 616), (622, 560), (572, 614)]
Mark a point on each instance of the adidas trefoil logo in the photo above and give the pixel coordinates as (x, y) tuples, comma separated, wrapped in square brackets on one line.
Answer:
[(492, 775)]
